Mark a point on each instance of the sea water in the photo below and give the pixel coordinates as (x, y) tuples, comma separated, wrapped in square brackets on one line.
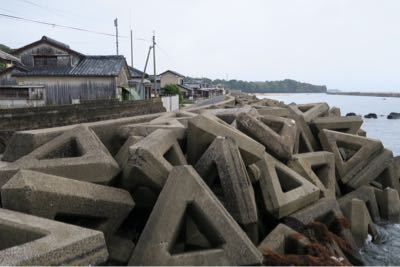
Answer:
[(386, 250)]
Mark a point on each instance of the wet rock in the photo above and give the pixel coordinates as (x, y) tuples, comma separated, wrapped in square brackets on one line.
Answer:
[(371, 116), (393, 116)]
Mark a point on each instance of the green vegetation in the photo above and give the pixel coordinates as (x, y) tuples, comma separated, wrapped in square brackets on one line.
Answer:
[(7, 50), (285, 86), (172, 89)]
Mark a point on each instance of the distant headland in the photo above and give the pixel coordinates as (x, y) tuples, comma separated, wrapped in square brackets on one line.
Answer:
[(284, 86)]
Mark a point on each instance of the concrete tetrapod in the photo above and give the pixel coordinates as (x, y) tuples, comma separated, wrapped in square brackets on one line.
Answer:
[(150, 161), (277, 134), (366, 194), (144, 129), (76, 154), (305, 141), (229, 115), (283, 190), (85, 204), (222, 168), (31, 240), (352, 152), (272, 111), (310, 111), (349, 124), (360, 221), (379, 172), (204, 128), (389, 204), (284, 240), (318, 168), (122, 156), (163, 239), (328, 212)]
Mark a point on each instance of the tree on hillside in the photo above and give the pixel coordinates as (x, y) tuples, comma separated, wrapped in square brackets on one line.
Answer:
[(7, 50)]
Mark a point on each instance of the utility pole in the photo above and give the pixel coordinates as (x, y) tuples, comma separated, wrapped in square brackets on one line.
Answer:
[(116, 32), (154, 61), (131, 49), (144, 72)]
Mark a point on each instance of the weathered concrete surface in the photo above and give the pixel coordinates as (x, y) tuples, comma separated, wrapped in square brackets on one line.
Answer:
[(366, 194), (272, 111), (277, 134), (244, 194), (305, 140), (334, 112), (318, 168), (388, 203), (284, 191), (150, 161), (285, 240), (349, 124), (229, 115), (222, 168), (24, 142), (203, 129), (352, 152), (327, 211), (31, 240), (360, 221), (310, 111), (144, 129), (76, 154), (380, 170), (85, 204), (123, 155), (157, 244)]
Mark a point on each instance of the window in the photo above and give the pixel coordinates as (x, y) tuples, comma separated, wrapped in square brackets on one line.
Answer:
[(45, 61)]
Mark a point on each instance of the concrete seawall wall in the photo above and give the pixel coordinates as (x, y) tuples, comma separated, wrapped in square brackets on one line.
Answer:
[(19, 119)]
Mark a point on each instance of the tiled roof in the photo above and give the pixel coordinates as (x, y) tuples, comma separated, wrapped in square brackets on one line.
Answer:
[(173, 72), (88, 66), (135, 73)]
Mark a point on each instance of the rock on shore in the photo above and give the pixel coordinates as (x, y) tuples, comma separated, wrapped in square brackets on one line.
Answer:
[(242, 182)]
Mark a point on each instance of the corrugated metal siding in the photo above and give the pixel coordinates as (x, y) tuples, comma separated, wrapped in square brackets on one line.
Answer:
[(62, 91)]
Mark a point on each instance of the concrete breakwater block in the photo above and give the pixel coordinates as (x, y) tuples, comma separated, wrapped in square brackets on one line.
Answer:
[(318, 168), (204, 128), (360, 220), (222, 168), (31, 240), (352, 152), (163, 239), (269, 183), (349, 125), (151, 159), (366, 194), (310, 111), (379, 171), (284, 191), (285, 240), (76, 154), (85, 204), (277, 134)]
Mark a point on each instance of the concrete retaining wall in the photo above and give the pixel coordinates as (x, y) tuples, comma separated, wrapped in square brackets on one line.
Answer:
[(18, 119)]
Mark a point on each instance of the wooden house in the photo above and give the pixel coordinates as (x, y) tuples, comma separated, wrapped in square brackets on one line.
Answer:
[(67, 75)]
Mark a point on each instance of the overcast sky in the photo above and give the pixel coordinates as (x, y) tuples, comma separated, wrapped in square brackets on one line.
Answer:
[(344, 44)]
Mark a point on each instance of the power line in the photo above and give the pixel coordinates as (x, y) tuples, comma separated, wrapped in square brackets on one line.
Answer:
[(57, 25)]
